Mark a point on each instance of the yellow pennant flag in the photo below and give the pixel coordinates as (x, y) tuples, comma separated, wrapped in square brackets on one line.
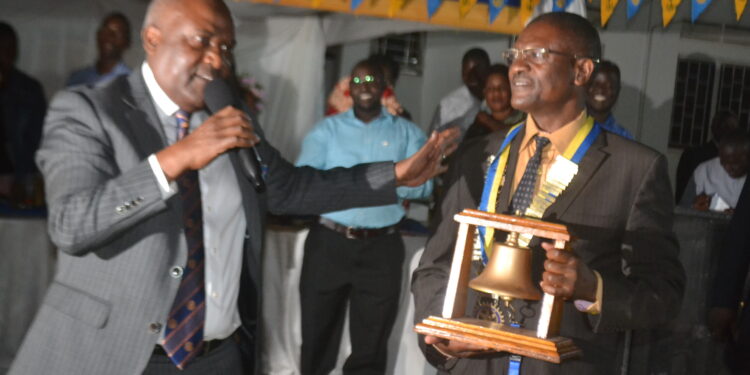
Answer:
[(739, 7), (668, 10), (464, 6), (396, 5), (315, 3), (608, 7), (527, 9)]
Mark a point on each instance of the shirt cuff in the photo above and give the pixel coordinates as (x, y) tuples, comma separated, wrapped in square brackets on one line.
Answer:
[(593, 308), (167, 189), (444, 354)]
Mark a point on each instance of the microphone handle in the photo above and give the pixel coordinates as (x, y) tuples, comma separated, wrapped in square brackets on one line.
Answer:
[(251, 167)]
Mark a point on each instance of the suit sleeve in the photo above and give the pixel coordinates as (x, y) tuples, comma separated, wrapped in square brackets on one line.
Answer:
[(649, 291), (430, 279), (305, 190), (87, 191)]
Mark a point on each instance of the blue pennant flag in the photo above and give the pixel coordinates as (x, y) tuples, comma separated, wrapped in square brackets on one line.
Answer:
[(698, 7), (560, 5), (633, 7), (494, 7), (355, 4), (432, 7)]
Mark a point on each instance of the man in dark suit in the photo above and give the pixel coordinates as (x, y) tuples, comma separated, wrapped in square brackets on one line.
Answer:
[(623, 272), (159, 231), (22, 109), (727, 297)]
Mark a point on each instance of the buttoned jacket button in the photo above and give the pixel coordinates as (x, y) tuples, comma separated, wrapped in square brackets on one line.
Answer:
[(120, 209), (154, 327), (176, 272)]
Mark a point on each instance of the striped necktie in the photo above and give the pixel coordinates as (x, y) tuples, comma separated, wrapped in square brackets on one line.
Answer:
[(525, 190), (183, 336)]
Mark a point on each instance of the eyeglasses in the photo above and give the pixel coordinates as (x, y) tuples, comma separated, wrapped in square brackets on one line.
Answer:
[(366, 79), (537, 55), (207, 41)]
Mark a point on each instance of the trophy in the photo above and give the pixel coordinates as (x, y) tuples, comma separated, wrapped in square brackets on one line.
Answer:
[(507, 276)]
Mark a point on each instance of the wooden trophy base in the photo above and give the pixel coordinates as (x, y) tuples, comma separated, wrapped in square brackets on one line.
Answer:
[(500, 337)]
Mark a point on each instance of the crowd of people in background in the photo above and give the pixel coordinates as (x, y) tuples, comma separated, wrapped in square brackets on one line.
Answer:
[(354, 252)]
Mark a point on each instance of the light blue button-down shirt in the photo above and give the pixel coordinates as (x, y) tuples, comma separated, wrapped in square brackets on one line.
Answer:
[(343, 141), (611, 125), (89, 75)]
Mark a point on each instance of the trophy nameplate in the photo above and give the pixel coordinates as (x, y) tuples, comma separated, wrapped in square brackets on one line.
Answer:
[(543, 342)]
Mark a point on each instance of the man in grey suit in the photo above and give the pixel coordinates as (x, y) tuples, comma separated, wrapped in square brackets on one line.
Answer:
[(622, 273), (132, 242)]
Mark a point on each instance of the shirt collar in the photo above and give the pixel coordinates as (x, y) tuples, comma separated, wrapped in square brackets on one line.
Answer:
[(560, 138), (384, 114), (162, 101)]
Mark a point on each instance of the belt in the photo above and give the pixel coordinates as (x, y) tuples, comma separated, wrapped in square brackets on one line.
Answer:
[(208, 346), (353, 233)]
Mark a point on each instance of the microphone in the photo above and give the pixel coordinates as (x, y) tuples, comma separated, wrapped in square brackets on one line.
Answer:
[(217, 95)]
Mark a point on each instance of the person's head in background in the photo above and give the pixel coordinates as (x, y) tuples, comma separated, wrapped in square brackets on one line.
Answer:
[(603, 90), (724, 123), (366, 87), (112, 38), (389, 66), (474, 67), (497, 92), (734, 153), (8, 50)]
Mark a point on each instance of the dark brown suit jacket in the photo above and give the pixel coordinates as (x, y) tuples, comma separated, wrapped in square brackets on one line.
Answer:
[(619, 210)]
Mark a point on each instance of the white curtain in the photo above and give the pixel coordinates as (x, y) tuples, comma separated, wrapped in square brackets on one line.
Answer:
[(286, 55)]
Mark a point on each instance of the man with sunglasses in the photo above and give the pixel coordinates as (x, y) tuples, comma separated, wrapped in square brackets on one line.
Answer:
[(355, 256), (621, 273)]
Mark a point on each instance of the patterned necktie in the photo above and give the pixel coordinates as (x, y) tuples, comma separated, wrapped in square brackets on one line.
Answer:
[(525, 191), (183, 336)]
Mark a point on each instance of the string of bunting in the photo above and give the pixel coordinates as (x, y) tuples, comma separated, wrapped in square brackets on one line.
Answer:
[(512, 14)]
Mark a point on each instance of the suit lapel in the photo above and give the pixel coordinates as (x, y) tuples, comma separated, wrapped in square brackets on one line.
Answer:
[(589, 165), (143, 122), (503, 201)]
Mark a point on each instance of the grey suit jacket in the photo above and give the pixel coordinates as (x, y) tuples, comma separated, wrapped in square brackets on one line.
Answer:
[(619, 210), (113, 289)]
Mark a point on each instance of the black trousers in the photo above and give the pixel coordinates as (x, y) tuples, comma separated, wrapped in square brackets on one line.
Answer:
[(366, 273), (224, 360)]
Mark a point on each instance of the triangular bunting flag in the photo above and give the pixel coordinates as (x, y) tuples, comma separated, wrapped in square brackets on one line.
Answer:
[(560, 5), (354, 4), (527, 9), (432, 7), (608, 7), (739, 7), (494, 8), (698, 7), (633, 7), (513, 3), (464, 6), (396, 6), (668, 10)]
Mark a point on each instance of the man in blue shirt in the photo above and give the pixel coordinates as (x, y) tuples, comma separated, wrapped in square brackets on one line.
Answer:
[(602, 93), (112, 40), (355, 255)]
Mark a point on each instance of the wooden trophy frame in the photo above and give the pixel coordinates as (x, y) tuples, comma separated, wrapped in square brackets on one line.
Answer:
[(544, 343)]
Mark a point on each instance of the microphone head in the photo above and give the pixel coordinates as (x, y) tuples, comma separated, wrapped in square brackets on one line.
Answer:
[(219, 94)]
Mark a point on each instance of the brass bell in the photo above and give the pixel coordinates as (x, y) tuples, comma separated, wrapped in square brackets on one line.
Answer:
[(508, 272)]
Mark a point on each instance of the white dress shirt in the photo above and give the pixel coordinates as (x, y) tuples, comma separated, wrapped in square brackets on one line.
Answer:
[(224, 221)]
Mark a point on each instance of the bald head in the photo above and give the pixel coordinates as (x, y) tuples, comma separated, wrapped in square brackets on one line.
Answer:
[(577, 31)]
